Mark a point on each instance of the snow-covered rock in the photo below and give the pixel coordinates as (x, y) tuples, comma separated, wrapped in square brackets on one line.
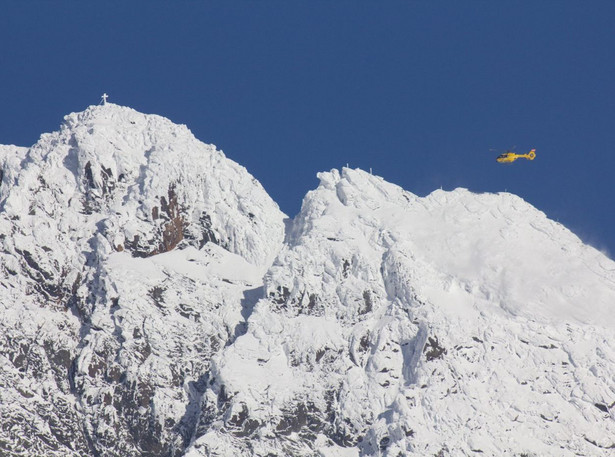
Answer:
[(151, 304), (455, 324), (131, 253)]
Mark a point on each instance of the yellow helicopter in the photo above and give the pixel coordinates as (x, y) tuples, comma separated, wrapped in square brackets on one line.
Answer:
[(510, 156)]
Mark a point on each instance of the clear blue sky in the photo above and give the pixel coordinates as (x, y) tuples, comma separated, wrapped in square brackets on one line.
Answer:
[(417, 90)]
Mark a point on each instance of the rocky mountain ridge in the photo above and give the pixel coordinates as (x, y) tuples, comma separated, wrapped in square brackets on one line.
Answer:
[(156, 302)]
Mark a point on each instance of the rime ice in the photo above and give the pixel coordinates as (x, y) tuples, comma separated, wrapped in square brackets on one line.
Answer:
[(153, 301)]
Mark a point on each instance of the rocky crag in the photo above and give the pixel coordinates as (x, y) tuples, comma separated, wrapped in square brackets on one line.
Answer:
[(154, 301)]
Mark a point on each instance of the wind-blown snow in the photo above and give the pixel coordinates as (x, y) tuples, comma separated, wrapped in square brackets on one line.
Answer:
[(150, 306)]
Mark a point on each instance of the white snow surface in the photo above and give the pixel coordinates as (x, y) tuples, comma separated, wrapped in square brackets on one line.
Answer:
[(151, 303), (455, 324), (128, 248)]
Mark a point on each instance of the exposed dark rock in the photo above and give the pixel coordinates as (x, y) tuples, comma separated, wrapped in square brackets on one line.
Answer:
[(345, 268), (89, 200), (156, 293), (207, 233), (364, 343), (108, 182), (433, 350), (40, 274), (60, 361), (602, 407), (280, 296), (187, 312), (167, 234), (241, 425), (550, 346), (89, 176), (223, 397), (293, 420), (368, 302), (96, 367), (595, 443)]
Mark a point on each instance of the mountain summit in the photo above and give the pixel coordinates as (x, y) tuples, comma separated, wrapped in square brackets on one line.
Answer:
[(156, 302)]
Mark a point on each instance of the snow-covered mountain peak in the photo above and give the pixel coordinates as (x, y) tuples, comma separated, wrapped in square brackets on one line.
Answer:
[(151, 303), (494, 245), (391, 319), (112, 159), (128, 250)]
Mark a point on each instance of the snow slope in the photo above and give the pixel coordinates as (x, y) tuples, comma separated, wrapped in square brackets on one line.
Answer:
[(152, 304), (455, 324), (129, 250)]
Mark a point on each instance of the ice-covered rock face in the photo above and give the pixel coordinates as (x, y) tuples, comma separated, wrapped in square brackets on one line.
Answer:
[(151, 304), (453, 324), (129, 251)]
